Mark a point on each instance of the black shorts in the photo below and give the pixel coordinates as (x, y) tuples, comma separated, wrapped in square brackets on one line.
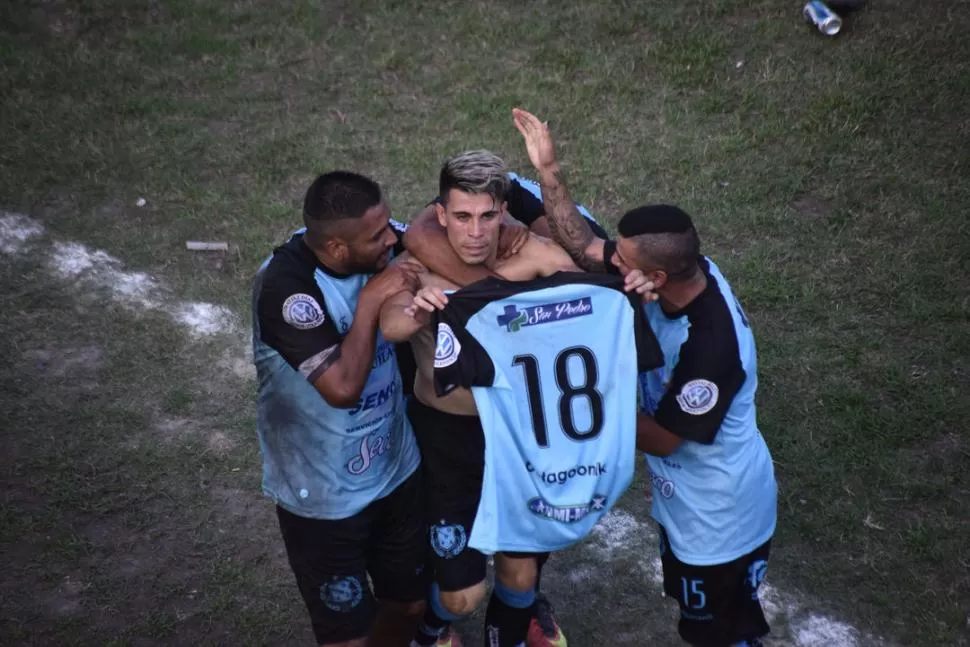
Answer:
[(453, 466), (332, 559), (719, 604)]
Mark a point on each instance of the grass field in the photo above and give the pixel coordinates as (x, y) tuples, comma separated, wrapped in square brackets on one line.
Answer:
[(830, 179)]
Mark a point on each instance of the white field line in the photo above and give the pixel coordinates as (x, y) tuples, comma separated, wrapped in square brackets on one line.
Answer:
[(96, 270), (621, 535)]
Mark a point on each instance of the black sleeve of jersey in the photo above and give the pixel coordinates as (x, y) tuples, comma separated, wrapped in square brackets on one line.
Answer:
[(406, 366), (459, 360), (649, 353), (310, 343), (609, 248), (398, 228), (523, 205), (705, 380)]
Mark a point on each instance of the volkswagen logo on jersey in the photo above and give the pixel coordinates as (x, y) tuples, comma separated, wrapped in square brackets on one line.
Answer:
[(447, 347), (697, 397), (514, 319), (566, 513), (302, 311), (341, 594), (448, 540)]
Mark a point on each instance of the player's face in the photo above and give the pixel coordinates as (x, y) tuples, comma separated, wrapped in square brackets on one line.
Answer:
[(628, 258), (472, 221), (369, 249)]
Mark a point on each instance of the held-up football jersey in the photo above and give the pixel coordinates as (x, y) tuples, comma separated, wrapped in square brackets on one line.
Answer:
[(552, 365)]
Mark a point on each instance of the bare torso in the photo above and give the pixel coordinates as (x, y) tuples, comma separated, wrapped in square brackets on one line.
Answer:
[(524, 266)]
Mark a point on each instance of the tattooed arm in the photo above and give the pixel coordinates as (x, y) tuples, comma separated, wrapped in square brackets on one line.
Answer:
[(568, 227)]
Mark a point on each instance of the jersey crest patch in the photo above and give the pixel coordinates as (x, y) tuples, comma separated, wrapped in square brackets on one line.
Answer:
[(448, 540), (698, 397), (302, 311), (341, 594), (447, 347)]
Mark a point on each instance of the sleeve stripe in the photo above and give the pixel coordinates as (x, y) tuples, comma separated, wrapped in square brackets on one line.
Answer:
[(313, 367)]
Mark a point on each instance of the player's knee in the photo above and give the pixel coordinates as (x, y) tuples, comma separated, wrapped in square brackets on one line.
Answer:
[(414, 609), (519, 580), (464, 602), (518, 574)]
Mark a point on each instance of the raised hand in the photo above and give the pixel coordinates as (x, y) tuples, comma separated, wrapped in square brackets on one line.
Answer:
[(538, 140)]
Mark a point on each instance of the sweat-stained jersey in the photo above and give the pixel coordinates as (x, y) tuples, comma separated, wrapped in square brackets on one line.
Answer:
[(716, 495), (552, 365), (321, 461)]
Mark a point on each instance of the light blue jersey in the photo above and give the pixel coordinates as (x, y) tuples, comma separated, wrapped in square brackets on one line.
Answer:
[(552, 365), (716, 495), (320, 461)]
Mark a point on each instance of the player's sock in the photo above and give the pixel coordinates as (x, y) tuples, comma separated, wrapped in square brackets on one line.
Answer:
[(540, 562), (751, 642), (437, 619), (508, 616)]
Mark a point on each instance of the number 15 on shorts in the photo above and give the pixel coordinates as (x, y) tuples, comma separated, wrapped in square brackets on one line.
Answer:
[(693, 595)]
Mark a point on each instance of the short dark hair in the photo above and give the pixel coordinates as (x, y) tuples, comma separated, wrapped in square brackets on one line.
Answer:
[(477, 171), (665, 239), (338, 195)]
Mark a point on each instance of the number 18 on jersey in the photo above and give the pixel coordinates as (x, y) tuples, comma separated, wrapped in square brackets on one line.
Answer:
[(553, 366)]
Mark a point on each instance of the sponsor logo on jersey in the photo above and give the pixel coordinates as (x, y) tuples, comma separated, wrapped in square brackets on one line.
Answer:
[(447, 347), (383, 354), (341, 594), (566, 513), (562, 476), (372, 446), (448, 539), (302, 311), (514, 319), (697, 397), (662, 485), (374, 399)]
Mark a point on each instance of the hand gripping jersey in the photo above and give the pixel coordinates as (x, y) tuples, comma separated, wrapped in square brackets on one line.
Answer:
[(552, 365)]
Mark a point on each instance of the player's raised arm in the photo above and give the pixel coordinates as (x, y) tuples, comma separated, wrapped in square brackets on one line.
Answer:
[(568, 227)]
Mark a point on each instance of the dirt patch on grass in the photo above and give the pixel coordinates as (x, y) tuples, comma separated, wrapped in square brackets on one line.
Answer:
[(810, 206)]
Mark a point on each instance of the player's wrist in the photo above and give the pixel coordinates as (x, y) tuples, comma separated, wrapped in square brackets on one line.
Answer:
[(549, 174)]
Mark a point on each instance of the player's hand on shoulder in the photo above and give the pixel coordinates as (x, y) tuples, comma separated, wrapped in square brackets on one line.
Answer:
[(428, 299), (635, 281), (513, 235), (393, 279), (410, 263)]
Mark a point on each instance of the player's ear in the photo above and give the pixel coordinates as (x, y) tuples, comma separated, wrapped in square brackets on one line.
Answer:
[(439, 210), (657, 277), (337, 248)]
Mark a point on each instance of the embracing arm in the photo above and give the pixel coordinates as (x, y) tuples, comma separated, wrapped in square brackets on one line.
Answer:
[(397, 321), (342, 382), (293, 320), (654, 439)]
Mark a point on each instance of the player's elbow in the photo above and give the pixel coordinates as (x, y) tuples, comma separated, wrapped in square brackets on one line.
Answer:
[(394, 327), (338, 393)]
